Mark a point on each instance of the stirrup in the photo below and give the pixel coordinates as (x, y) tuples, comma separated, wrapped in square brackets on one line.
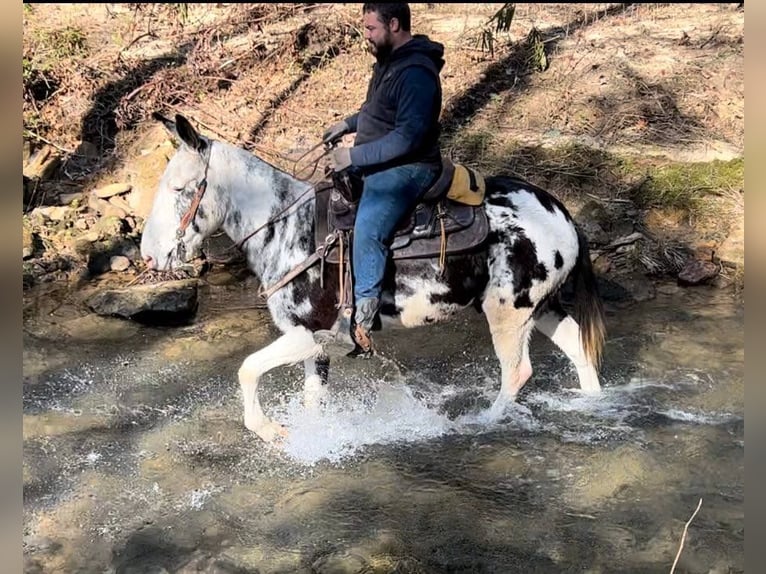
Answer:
[(337, 341)]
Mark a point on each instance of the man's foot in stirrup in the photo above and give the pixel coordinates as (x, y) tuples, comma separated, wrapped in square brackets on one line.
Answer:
[(364, 347), (366, 310), (337, 342)]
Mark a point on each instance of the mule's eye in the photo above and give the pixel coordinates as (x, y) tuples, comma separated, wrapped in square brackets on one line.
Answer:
[(178, 187)]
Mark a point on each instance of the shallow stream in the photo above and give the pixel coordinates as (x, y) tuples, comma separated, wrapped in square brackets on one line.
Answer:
[(136, 458)]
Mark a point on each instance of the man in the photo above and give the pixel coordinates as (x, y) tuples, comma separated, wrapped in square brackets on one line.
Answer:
[(397, 152)]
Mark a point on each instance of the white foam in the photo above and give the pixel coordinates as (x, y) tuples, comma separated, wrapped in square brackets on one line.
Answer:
[(387, 413), (346, 423)]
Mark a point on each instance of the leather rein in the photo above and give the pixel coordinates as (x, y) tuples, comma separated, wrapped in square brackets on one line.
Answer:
[(320, 252)]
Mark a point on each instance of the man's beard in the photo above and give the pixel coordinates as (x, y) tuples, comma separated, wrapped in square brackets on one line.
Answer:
[(382, 51)]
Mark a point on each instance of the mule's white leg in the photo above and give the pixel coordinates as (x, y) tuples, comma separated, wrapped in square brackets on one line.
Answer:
[(510, 329), (294, 346), (314, 389), (565, 333)]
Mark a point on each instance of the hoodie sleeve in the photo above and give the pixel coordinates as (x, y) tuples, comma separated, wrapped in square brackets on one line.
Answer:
[(351, 122), (416, 95)]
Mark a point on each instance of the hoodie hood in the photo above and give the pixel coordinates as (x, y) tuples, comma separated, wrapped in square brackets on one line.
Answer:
[(420, 44)]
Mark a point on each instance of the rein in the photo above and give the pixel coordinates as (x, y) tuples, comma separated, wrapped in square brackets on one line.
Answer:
[(320, 251), (318, 254), (310, 189)]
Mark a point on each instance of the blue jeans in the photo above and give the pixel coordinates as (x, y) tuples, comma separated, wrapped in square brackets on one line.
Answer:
[(387, 197)]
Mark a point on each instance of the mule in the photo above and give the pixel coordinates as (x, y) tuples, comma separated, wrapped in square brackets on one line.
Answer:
[(514, 278)]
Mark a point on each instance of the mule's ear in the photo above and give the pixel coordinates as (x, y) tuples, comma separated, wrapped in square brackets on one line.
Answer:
[(188, 134), (169, 124)]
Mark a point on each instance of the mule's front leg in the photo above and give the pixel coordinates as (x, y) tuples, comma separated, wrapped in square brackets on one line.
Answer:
[(295, 345), (314, 387)]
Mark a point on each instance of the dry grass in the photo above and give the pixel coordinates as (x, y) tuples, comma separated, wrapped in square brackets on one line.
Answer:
[(275, 75), (650, 80)]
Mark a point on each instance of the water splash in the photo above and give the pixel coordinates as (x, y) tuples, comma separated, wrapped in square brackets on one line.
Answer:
[(348, 422), (378, 413)]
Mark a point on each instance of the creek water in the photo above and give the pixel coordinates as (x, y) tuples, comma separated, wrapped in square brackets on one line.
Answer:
[(136, 458)]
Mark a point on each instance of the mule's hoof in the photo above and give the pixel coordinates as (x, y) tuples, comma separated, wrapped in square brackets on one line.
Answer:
[(335, 344), (270, 432)]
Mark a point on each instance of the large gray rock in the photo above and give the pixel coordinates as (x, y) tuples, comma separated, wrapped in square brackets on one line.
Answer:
[(168, 303)]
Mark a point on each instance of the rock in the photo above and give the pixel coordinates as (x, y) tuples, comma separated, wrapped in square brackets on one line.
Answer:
[(145, 161), (211, 565), (112, 190), (171, 302), (55, 212), (626, 240), (120, 202), (696, 272), (114, 211), (119, 263), (27, 242), (339, 564), (87, 149), (622, 291), (594, 232), (90, 236), (100, 256), (68, 198), (109, 226), (602, 264), (82, 224), (42, 164), (220, 278), (668, 289), (594, 211), (105, 208)]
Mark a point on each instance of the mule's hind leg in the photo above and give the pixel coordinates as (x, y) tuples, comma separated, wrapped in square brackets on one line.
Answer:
[(510, 329), (564, 331), (294, 346)]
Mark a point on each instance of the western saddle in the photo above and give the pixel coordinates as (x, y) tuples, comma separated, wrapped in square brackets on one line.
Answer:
[(449, 218)]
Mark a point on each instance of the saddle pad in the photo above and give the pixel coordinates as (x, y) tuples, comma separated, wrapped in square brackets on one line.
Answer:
[(467, 186)]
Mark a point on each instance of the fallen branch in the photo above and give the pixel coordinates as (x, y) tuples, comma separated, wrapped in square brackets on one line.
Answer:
[(137, 277), (609, 199), (683, 537), (28, 132), (626, 240), (137, 38)]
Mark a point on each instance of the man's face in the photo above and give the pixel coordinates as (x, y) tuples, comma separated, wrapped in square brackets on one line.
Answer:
[(378, 35)]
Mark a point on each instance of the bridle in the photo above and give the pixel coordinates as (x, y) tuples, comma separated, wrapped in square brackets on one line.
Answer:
[(191, 213)]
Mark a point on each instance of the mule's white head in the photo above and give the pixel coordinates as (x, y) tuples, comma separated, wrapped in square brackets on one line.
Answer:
[(186, 208)]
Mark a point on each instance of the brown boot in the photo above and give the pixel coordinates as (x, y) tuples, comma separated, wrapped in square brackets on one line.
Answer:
[(366, 310)]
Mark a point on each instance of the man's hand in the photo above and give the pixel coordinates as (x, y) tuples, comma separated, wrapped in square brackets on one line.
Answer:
[(340, 158), (335, 131)]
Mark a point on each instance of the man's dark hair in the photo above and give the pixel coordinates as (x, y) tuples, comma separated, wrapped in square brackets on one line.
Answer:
[(386, 12)]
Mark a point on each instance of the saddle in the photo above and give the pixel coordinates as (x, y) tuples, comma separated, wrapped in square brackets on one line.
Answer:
[(449, 218)]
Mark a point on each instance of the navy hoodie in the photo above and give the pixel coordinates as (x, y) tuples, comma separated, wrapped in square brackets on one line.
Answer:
[(399, 120)]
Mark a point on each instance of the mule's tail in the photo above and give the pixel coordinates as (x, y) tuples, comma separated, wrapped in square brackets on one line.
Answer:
[(589, 311)]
